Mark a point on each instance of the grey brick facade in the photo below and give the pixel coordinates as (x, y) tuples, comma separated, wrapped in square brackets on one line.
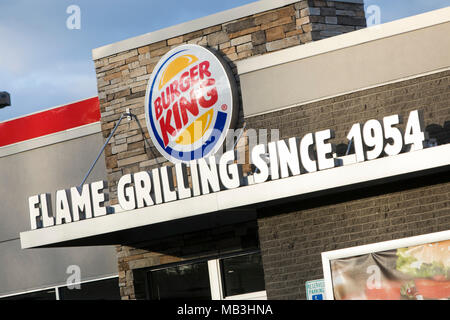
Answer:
[(293, 236)]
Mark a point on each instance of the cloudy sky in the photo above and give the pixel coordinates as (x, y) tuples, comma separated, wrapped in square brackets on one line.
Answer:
[(44, 64)]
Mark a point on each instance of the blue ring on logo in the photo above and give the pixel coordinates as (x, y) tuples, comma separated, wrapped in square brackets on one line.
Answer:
[(206, 147)]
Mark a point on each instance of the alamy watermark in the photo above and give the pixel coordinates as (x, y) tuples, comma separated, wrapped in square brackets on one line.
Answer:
[(373, 15), (73, 22), (74, 279), (240, 140)]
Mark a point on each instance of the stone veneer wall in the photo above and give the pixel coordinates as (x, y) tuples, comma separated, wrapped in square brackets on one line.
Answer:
[(122, 81), (122, 78)]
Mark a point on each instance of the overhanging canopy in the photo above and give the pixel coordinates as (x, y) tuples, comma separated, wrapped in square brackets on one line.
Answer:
[(237, 204)]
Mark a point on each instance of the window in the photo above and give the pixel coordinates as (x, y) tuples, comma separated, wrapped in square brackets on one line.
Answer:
[(238, 276), (182, 281), (104, 289), (37, 295), (412, 268), (242, 274), (96, 290)]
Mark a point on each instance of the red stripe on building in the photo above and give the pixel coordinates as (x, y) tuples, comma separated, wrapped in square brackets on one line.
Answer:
[(51, 121)]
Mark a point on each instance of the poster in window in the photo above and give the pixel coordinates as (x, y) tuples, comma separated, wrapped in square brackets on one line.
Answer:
[(413, 273)]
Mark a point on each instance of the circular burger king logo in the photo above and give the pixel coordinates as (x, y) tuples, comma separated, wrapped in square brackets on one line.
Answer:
[(190, 103)]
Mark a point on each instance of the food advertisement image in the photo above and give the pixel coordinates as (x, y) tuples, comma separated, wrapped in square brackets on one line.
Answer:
[(419, 272)]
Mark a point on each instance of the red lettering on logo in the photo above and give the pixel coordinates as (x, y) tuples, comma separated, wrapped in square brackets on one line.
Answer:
[(176, 116), (158, 108), (185, 106), (174, 93), (194, 75), (204, 70), (185, 84), (212, 93), (166, 128), (166, 98), (174, 102)]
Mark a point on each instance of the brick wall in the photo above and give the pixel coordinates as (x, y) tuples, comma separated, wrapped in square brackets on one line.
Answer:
[(293, 236), (122, 81), (429, 94)]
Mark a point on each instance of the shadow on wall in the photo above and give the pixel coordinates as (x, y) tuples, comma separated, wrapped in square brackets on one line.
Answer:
[(440, 133), (233, 69), (202, 237)]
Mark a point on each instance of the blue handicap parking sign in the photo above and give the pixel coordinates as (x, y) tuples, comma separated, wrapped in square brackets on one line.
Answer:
[(315, 289)]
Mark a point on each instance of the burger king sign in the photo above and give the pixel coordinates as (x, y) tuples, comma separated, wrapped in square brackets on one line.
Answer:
[(190, 103)]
